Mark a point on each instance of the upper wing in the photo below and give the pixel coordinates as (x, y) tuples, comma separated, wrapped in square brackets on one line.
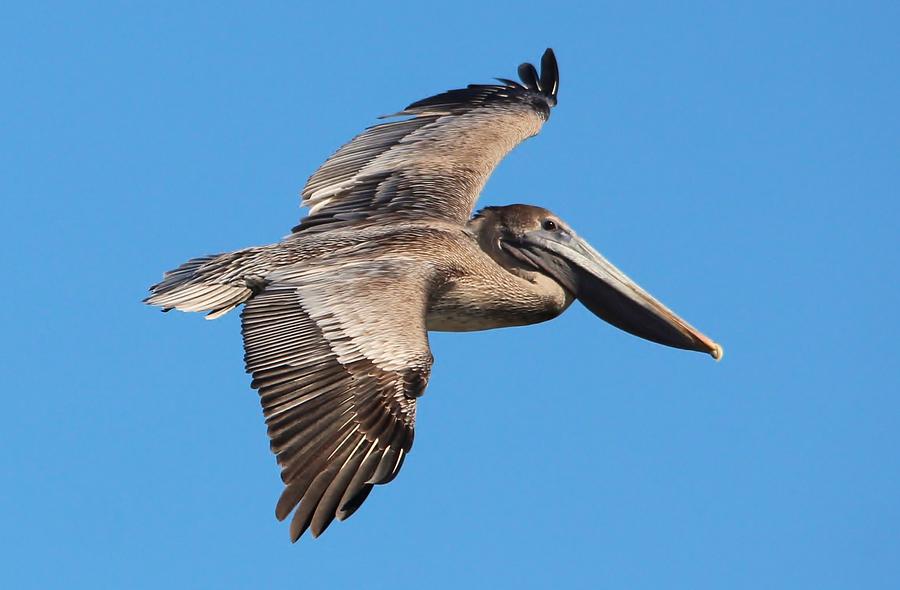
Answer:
[(435, 163), (339, 357)]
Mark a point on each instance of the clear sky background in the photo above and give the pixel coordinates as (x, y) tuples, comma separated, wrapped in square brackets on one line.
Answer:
[(742, 163)]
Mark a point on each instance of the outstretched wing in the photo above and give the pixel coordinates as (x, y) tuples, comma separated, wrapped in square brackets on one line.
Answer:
[(339, 358), (435, 163)]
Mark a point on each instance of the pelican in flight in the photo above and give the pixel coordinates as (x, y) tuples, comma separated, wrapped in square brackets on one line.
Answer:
[(336, 316)]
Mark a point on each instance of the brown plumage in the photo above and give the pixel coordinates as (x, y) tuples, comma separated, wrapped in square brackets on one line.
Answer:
[(336, 315)]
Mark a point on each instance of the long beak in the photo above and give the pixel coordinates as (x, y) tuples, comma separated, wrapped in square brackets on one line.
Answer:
[(610, 294)]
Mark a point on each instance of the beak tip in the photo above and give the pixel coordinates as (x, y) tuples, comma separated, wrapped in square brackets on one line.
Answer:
[(717, 352)]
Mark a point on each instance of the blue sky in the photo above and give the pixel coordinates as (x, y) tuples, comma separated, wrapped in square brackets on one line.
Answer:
[(741, 162)]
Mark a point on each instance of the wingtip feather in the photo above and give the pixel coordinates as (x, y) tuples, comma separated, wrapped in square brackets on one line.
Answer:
[(545, 83), (529, 76), (550, 75)]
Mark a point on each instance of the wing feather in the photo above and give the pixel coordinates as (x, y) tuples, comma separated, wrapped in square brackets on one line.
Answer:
[(339, 358), (435, 163)]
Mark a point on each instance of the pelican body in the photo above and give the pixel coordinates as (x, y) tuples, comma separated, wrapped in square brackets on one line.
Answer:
[(336, 316)]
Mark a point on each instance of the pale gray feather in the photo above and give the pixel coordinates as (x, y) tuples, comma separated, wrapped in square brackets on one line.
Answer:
[(338, 380)]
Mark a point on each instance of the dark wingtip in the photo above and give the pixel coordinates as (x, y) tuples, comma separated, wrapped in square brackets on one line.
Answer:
[(549, 75), (529, 77), (548, 81)]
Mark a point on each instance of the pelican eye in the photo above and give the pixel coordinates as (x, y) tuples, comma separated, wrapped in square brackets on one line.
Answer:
[(549, 225)]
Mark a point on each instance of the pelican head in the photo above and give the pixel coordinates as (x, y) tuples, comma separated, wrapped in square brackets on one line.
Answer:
[(526, 237)]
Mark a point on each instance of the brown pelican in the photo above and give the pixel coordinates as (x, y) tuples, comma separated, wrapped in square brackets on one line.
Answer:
[(336, 316)]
